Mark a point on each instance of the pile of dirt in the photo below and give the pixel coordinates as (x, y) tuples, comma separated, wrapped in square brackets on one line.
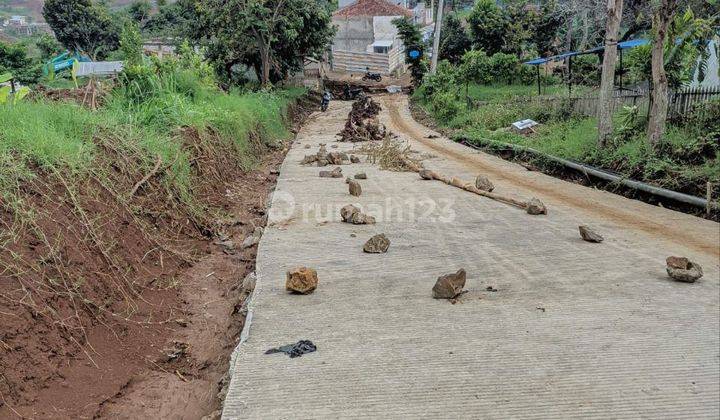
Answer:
[(107, 279), (92, 95), (362, 123)]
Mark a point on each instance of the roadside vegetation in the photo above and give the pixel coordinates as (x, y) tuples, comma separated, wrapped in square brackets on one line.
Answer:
[(481, 87)]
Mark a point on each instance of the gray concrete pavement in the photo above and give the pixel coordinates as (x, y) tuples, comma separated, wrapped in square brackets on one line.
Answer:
[(574, 330)]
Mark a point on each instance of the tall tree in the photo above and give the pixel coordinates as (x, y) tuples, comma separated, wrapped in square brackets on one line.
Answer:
[(411, 37), (139, 11), (83, 26), (663, 13), (454, 41), (607, 79), (487, 26), (272, 36)]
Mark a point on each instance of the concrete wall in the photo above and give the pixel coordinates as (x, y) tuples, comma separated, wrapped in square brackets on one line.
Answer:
[(712, 78), (383, 28), (353, 34)]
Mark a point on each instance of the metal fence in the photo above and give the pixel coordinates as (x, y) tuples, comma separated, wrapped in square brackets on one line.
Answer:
[(680, 102)]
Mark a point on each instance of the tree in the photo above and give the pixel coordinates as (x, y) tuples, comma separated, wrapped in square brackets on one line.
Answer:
[(607, 79), (14, 59), (139, 11), (487, 26), (180, 19), (454, 40), (663, 14), (475, 67), (48, 46), (274, 37), (83, 26), (411, 37), (131, 44)]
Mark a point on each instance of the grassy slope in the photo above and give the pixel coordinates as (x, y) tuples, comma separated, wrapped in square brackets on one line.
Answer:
[(575, 138)]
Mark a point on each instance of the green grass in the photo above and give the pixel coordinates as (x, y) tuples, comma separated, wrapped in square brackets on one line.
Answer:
[(574, 137)]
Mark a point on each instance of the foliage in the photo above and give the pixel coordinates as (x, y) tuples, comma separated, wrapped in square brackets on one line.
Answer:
[(454, 40), (475, 67), (139, 11), (411, 37), (504, 67), (273, 37), (487, 26), (179, 19), (83, 26), (586, 70), (48, 47), (14, 59), (445, 79), (131, 44)]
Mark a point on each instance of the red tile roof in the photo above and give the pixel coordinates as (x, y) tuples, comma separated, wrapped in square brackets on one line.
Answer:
[(372, 8)]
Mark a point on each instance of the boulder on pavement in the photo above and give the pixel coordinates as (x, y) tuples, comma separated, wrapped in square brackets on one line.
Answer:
[(308, 159), (354, 159), (347, 212), (483, 183), (589, 235), (378, 244), (335, 173), (361, 175), (535, 207), (355, 188), (683, 270), (301, 280), (449, 286), (352, 214)]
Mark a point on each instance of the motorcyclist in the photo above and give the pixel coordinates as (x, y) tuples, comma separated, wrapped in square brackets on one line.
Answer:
[(327, 96)]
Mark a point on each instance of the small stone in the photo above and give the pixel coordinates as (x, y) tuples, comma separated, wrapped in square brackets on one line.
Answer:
[(426, 174), (308, 159), (334, 146), (307, 146), (483, 183), (378, 244), (590, 235), (335, 173), (347, 180), (347, 212), (301, 280), (258, 232), (362, 219), (250, 242), (449, 286), (355, 188), (248, 283), (361, 175), (336, 158), (678, 262), (683, 270), (535, 207), (354, 159), (322, 161)]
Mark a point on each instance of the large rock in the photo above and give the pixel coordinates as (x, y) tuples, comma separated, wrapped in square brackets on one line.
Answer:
[(684, 270), (361, 175), (535, 207), (301, 280), (483, 183), (336, 158), (589, 235), (378, 244), (355, 188), (449, 286), (308, 159), (354, 159)]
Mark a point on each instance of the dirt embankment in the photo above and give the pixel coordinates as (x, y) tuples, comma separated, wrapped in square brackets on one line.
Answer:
[(116, 298)]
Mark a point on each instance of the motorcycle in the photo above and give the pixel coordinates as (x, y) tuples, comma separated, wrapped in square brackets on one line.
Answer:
[(372, 76)]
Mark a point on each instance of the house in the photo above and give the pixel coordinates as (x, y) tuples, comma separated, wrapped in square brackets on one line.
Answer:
[(367, 38)]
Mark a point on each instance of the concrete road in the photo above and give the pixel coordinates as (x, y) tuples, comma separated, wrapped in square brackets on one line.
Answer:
[(574, 329)]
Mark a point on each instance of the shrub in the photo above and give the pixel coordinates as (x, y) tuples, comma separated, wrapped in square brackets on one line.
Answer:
[(504, 67)]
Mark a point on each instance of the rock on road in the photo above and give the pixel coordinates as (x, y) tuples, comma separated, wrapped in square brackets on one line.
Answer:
[(574, 329)]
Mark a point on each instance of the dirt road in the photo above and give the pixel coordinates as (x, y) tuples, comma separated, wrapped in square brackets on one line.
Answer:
[(551, 326)]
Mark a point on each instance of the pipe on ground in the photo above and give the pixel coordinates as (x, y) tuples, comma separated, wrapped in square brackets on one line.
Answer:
[(598, 173)]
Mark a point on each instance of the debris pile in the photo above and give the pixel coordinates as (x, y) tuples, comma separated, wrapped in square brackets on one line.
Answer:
[(378, 244), (391, 155), (335, 173), (362, 123), (324, 158), (683, 270), (301, 280)]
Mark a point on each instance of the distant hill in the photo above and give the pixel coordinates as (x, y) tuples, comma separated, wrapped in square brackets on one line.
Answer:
[(33, 8)]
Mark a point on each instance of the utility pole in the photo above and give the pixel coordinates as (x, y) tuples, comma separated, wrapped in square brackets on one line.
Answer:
[(436, 40)]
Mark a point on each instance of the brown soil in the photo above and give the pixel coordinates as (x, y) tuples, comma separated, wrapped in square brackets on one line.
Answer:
[(620, 216), (126, 307)]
